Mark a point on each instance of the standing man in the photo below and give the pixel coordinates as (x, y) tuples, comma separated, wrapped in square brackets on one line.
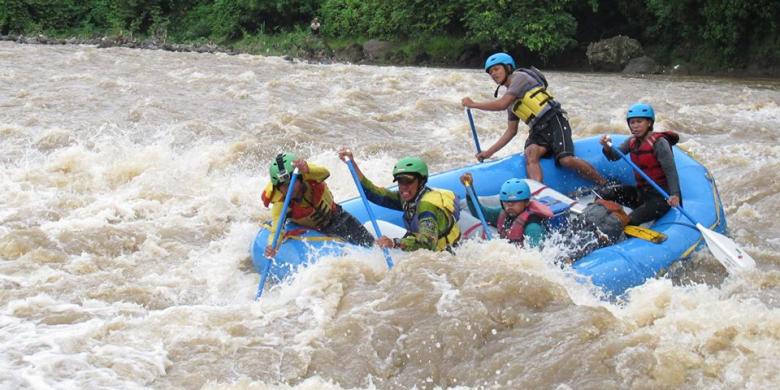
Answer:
[(315, 26), (527, 99)]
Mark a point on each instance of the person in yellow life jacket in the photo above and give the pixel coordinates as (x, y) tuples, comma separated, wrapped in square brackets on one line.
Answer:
[(430, 215), (528, 99), (312, 203), (519, 219), (652, 153)]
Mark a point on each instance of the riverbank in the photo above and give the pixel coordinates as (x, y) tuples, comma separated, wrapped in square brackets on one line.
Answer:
[(444, 52)]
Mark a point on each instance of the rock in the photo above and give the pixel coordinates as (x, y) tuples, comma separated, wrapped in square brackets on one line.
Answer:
[(375, 49), (352, 53), (315, 49), (471, 56), (396, 57), (106, 42), (680, 69), (421, 58), (613, 54), (641, 65)]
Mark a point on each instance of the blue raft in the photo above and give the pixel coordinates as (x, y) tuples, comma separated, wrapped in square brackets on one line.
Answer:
[(614, 268)]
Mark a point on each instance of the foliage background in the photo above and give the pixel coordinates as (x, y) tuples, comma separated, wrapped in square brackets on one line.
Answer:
[(714, 34)]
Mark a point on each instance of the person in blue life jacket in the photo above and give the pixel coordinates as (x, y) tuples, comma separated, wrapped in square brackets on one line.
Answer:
[(528, 99), (519, 219), (652, 153), (430, 215)]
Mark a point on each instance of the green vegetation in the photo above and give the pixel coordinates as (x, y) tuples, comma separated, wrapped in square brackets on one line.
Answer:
[(714, 34)]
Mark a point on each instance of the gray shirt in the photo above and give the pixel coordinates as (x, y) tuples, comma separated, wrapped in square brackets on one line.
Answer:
[(519, 84), (663, 153)]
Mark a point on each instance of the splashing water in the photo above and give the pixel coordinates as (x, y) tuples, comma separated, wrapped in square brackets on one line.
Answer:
[(130, 195)]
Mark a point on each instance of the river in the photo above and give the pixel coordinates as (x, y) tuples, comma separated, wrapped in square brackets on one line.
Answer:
[(130, 196)]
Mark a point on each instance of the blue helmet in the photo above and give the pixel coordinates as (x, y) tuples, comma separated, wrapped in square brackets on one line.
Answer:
[(640, 110), (500, 58), (513, 190)]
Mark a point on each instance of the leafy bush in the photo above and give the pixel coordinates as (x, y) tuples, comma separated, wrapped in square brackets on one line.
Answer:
[(716, 33), (726, 29), (542, 27)]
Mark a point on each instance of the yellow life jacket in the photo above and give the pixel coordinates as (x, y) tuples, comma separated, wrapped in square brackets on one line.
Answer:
[(536, 101), (315, 207), (445, 200)]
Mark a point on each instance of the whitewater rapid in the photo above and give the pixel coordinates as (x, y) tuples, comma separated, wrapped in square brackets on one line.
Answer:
[(130, 196)]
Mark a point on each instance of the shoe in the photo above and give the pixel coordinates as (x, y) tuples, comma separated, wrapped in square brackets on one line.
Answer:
[(597, 190)]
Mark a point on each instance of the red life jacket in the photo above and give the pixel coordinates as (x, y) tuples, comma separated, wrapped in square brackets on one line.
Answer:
[(643, 155), (515, 232), (314, 209)]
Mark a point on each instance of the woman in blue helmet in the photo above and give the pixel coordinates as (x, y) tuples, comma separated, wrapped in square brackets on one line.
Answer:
[(652, 152), (519, 218), (527, 99)]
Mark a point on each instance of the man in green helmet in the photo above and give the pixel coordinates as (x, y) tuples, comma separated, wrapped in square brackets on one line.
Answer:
[(312, 203), (430, 215)]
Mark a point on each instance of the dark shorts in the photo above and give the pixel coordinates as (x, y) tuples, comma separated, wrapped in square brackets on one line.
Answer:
[(554, 134), (344, 225)]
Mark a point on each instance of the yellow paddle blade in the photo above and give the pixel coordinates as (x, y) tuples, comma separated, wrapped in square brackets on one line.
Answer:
[(644, 234)]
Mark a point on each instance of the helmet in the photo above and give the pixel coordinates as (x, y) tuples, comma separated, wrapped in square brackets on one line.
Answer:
[(500, 58), (513, 190), (640, 110), (411, 165), (281, 168)]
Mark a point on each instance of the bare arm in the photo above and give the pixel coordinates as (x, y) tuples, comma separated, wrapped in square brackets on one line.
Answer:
[(499, 104), (346, 154), (511, 132)]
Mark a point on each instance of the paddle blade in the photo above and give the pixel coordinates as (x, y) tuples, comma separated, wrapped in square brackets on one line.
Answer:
[(726, 251), (644, 234)]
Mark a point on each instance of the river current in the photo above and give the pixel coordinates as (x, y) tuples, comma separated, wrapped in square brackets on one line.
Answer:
[(130, 196)]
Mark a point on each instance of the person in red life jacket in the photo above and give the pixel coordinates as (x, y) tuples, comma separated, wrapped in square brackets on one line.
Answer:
[(519, 218), (652, 152), (312, 203), (430, 215), (528, 99)]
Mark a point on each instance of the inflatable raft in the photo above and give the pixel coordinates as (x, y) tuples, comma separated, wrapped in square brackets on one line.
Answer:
[(614, 268)]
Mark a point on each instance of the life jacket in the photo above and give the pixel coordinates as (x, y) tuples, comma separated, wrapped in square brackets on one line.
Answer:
[(643, 155), (536, 102), (516, 229), (315, 209), (444, 200)]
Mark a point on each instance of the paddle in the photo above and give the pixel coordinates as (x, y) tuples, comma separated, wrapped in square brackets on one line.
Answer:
[(723, 248), (370, 212), (644, 233), (279, 227), (471, 194), (474, 132)]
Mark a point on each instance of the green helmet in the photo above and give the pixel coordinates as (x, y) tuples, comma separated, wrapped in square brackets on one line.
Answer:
[(411, 165), (281, 168)]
